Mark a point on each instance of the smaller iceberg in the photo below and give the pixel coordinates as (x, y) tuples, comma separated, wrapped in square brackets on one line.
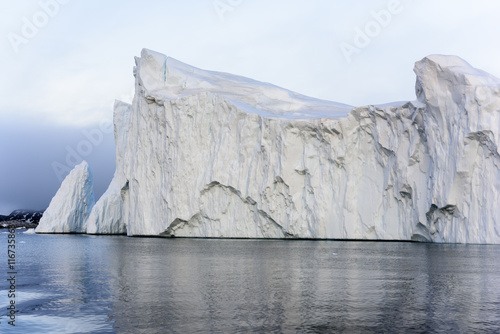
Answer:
[(69, 209)]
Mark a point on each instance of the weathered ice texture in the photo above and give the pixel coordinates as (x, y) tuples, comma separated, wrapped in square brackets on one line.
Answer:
[(209, 154), (106, 216), (69, 209)]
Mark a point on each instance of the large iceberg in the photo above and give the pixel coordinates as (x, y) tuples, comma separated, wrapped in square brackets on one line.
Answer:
[(210, 154), (69, 209)]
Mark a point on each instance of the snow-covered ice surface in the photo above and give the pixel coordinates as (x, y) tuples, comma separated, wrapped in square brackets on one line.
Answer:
[(165, 78), (69, 209), (209, 154)]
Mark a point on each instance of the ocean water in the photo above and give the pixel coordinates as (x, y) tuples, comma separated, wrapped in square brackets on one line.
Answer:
[(116, 284)]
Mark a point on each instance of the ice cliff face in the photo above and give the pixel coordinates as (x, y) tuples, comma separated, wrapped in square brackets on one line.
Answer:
[(69, 209), (107, 215), (209, 154), (461, 119)]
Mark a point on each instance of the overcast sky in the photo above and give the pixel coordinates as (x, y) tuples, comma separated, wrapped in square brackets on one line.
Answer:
[(65, 62)]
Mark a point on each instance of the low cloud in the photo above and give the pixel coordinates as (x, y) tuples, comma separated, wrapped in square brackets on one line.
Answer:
[(27, 153)]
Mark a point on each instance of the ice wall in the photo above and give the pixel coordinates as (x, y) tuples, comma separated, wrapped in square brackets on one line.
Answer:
[(107, 215), (210, 154)]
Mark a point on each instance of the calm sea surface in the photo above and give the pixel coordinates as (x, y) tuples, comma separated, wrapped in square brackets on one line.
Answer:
[(114, 284)]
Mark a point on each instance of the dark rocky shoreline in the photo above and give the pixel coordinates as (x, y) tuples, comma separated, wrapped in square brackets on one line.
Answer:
[(17, 224), (21, 219)]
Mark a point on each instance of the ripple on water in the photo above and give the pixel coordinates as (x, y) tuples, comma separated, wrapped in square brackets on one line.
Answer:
[(72, 284)]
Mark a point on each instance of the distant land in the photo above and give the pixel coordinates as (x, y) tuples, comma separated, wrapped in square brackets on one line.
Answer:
[(21, 218)]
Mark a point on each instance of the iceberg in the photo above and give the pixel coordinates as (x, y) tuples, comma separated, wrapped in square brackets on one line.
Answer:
[(106, 216), (211, 154), (69, 209)]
